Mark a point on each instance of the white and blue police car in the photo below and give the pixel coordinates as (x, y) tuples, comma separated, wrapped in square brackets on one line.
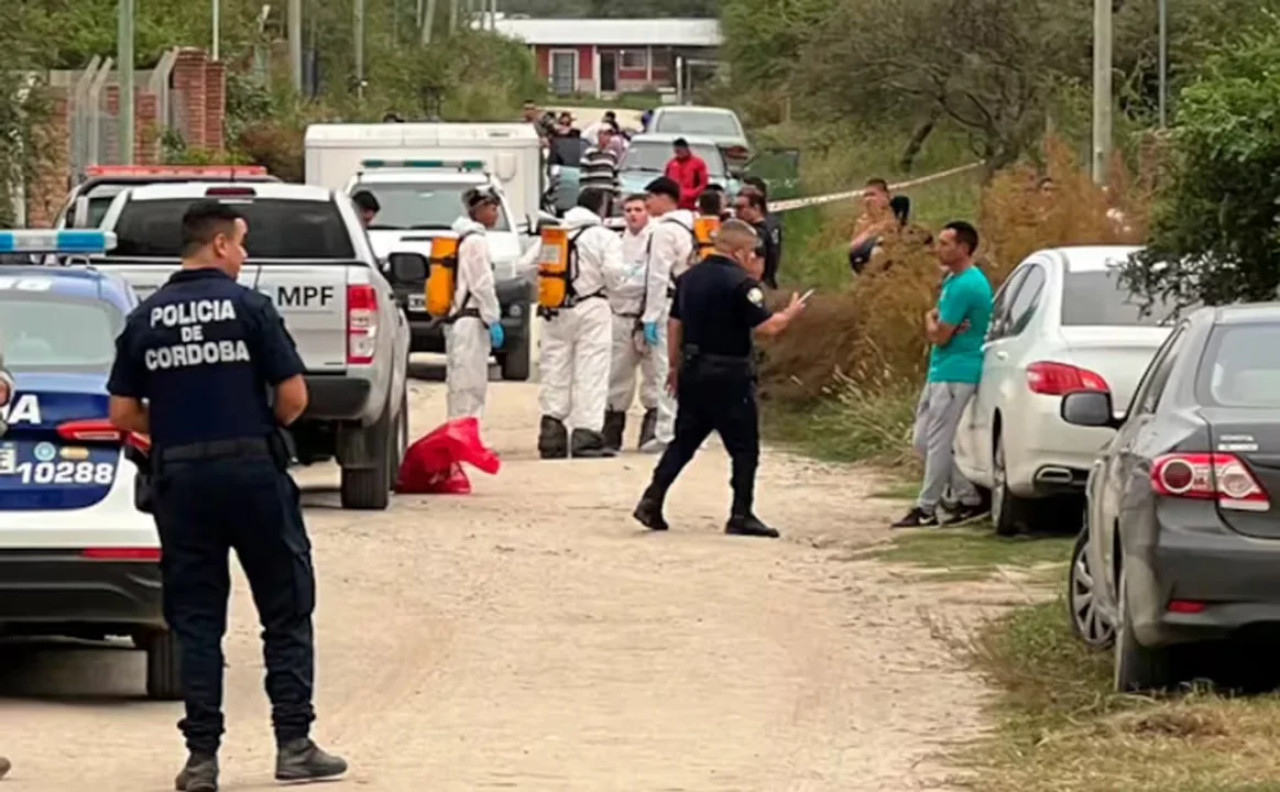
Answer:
[(77, 556)]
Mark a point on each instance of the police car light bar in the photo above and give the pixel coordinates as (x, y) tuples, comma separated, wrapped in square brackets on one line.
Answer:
[(459, 164), (67, 241)]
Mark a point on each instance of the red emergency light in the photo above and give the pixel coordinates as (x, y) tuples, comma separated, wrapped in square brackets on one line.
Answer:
[(206, 171)]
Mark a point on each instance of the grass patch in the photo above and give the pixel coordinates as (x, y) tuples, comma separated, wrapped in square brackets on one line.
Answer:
[(1061, 729), (852, 425), (972, 552), (906, 489)]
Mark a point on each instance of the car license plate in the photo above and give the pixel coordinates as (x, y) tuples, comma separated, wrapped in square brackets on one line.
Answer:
[(417, 302)]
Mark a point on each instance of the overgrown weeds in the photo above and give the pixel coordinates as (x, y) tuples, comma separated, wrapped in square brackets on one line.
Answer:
[(1061, 728)]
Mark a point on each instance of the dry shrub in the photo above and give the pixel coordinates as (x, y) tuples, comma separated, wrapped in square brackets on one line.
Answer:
[(871, 334), (276, 146), (1017, 219)]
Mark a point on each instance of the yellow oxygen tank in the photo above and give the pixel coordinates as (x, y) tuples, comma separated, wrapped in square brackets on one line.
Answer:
[(704, 229), (553, 268), (442, 279)]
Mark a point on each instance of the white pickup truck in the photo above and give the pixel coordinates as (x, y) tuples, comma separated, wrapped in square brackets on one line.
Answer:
[(308, 252)]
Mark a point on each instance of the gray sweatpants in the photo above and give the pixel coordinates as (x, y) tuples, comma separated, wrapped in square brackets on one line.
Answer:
[(937, 417)]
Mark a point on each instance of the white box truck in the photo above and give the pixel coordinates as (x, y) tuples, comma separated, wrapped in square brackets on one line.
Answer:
[(418, 173)]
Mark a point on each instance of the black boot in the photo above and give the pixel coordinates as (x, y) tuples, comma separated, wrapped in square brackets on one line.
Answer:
[(649, 510), (303, 760), (588, 444), (553, 439), (615, 423), (648, 428), (200, 774), (749, 525)]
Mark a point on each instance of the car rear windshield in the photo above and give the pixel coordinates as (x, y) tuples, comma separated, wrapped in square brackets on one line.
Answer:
[(42, 333), (278, 229), (421, 205), (694, 122), (654, 157), (1241, 367), (1099, 298)]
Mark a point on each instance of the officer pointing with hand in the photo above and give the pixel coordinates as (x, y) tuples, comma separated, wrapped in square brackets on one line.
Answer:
[(193, 369), (717, 306)]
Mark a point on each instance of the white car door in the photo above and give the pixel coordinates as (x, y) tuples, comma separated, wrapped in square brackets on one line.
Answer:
[(1002, 374)]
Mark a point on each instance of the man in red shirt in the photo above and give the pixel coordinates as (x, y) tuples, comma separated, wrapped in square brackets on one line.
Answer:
[(690, 172)]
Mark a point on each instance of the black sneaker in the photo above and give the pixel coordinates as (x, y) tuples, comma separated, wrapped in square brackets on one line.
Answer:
[(964, 513), (200, 774), (649, 514), (917, 518), (749, 525), (303, 760)]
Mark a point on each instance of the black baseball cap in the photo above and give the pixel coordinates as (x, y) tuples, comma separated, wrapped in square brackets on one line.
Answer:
[(664, 186)]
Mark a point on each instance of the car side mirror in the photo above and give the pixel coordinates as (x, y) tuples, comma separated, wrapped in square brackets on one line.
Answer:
[(407, 268), (1089, 408)]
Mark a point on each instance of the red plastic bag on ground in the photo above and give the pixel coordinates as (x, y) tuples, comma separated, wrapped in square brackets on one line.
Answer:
[(433, 464)]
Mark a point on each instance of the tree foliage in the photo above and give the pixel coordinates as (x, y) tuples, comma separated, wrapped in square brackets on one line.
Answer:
[(1215, 236)]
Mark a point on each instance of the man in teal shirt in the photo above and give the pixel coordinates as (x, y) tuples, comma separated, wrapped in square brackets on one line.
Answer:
[(956, 329)]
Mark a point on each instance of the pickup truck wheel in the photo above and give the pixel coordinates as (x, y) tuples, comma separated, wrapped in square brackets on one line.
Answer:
[(164, 666), (401, 445), (370, 488), (515, 360)]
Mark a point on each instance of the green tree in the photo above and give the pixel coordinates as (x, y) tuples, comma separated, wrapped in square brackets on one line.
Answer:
[(1215, 237)]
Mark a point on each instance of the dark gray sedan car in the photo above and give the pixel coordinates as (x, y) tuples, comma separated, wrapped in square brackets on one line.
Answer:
[(1181, 541)]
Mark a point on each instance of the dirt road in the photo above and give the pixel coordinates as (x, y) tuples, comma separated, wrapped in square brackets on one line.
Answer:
[(529, 636)]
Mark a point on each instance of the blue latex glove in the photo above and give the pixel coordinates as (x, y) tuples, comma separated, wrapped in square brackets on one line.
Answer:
[(651, 333), (496, 336)]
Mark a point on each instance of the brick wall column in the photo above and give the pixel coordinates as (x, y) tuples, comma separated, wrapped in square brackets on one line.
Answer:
[(190, 83), (215, 108)]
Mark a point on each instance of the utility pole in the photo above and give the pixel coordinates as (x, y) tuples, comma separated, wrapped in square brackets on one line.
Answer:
[(217, 26), (124, 57), (358, 33), (1163, 6), (295, 42), (1101, 89), (453, 17)]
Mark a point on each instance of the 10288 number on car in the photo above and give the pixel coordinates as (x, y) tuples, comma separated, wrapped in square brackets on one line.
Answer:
[(84, 473)]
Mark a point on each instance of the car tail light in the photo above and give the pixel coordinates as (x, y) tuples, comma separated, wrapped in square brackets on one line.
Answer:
[(362, 323), (100, 430), (737, 152), (121, 553), (1056, 379), (1221, 477), (230, 192), (1186, 606)]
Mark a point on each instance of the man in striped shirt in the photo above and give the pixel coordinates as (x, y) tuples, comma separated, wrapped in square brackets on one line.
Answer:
[(600, 166)]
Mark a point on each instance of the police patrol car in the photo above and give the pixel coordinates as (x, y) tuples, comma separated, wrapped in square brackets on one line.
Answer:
[(77, 557)]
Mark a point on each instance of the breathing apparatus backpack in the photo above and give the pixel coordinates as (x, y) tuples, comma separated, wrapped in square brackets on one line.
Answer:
[(704, 235), (442, 278), (558, 269)]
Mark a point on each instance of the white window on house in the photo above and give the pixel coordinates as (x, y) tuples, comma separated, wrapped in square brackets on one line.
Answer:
[(635, 59)]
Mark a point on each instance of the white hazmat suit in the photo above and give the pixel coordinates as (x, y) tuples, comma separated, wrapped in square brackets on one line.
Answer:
[(576, 340), (627, 287), (466, 337), (671, 251)]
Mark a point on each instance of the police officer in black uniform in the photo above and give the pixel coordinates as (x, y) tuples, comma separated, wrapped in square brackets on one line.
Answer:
[(718, 304), (207, 369)]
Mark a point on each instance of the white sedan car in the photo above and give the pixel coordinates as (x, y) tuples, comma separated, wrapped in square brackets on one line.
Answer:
[(1062, 322)]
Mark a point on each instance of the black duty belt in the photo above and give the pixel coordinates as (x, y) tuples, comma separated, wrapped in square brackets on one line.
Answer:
[(235, 448), (723, 365)]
